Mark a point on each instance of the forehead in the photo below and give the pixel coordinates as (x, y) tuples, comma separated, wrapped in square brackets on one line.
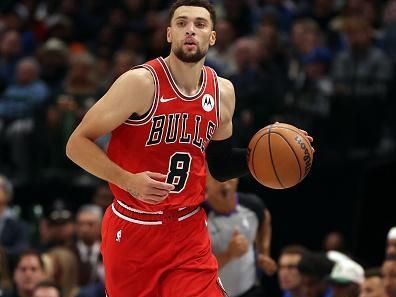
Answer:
[(192, 12), (29, 260), (373, 281)]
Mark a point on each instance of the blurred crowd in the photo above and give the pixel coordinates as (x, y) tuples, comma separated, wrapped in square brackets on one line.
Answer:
[(326, 66)]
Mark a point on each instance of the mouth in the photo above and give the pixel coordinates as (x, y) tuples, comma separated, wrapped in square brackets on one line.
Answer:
[(190, 43)]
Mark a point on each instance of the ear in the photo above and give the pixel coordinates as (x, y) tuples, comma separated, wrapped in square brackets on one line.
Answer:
[(168, 35), (212, 38)]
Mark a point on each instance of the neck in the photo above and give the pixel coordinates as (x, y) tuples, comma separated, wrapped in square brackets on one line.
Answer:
[(186, 75)]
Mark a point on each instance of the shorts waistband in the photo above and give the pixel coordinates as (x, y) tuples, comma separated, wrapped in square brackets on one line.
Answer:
[(141, 217)]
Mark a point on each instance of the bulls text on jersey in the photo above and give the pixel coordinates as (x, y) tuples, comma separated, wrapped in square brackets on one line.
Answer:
[(176, 125)]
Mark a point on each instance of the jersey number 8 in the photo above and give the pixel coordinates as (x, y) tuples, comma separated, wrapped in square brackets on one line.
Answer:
[(179, 169)]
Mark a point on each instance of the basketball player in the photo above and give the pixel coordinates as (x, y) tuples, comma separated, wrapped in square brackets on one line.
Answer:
[(162, 116)]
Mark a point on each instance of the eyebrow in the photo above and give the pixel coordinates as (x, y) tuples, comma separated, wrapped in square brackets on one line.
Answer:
[(196, 19)]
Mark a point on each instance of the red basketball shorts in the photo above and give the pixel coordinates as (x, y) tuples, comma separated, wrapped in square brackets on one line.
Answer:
[(163, 254)]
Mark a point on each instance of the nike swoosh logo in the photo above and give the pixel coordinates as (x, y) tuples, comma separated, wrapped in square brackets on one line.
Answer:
[(167, 99)]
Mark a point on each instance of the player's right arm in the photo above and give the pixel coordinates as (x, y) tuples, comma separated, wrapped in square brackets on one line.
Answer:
[(132, 92)]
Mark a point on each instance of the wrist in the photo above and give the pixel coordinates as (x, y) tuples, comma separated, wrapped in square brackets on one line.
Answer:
[(123, 179)]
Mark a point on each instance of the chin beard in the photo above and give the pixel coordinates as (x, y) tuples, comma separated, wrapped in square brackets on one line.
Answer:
[(188, 57)]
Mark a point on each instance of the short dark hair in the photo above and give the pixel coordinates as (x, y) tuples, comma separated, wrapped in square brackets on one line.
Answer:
[(373, 272), (315, 265), (294, 249), (199, 3)]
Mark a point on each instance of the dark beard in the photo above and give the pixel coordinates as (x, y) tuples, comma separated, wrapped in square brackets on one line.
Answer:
[(189, 58)]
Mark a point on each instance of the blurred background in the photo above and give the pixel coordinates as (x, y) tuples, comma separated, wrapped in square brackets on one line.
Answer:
[(326, 66)]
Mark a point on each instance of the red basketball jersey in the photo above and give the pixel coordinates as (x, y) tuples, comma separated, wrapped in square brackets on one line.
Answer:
[(170, 139)]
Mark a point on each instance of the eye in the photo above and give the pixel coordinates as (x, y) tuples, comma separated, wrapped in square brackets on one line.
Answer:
[(180, 23), (201, 25)]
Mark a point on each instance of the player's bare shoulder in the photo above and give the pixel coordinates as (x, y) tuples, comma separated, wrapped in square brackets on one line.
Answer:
[(227, 97), (131, 93), (136, 89), (227, 103)]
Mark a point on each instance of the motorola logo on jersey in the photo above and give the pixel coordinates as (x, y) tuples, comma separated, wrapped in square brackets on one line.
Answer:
[(208, 102), (181, 128)]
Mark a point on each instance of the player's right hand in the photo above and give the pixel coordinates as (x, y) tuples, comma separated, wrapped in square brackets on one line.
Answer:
[(238, 245), (148, 187)]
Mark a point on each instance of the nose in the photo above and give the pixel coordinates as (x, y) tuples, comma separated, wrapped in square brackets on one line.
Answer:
[(190, 29)]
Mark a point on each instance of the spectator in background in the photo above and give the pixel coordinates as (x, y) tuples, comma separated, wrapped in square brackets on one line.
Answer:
[(364, 9), (78, 95), (289, 276), (373, 285), (64, 270), (10, 53), (246, 89), (221, 55), (346, 278), (28, 273), (239, 14), (391, 242), (239, 225), (57, 227), (388, 271), (282, 10), (269, 35), (14, 234), (19, 106), (123, 61), (322, 12), (361, 76), (271, 76), (47, 289), (315, 269), (53, 57), (87, 246), (309, 101)]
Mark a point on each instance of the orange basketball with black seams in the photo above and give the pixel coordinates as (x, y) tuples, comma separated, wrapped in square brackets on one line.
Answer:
[(279, 156)]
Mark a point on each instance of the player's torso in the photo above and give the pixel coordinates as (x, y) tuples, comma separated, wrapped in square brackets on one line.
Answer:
[(170, 139)]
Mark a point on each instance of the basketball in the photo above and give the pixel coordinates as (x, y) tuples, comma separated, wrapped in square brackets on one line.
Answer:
[(279, 156)]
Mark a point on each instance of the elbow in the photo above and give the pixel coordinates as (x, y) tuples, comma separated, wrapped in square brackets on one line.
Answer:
[(70, 148)]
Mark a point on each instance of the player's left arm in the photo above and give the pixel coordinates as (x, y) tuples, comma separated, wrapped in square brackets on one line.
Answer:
[(225, 162)]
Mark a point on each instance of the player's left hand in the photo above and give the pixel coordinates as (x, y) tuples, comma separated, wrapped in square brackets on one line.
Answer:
[(310, 138), (267, 264)]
